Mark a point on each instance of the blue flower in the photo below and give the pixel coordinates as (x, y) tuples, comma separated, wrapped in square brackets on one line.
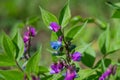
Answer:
[(56, 45)]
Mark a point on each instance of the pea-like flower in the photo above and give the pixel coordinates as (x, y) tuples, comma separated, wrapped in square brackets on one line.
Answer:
[(54, 26), (70, 73), (31, 32), (56, 45), (76, 56), (56, 67), (111, 70)]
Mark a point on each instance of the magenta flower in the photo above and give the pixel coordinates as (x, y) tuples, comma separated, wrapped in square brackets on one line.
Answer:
[(31, 32), (54, 26), (76, 56), (70, 73), (56, 67)]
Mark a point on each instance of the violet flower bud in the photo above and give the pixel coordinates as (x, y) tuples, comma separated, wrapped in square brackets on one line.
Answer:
[(70, 73), (54, 26), (32, 31), (76, 56), (56, 45), (111, 70)]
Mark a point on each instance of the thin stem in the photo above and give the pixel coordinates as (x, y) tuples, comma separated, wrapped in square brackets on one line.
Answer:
[(19, 66), (67, 49)]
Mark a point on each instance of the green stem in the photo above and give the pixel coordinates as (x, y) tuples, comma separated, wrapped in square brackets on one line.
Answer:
[(18, 66)]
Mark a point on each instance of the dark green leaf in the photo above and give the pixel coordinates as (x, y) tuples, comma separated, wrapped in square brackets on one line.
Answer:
[(65, 15), (47, 17), (116, 14), (88, 58)]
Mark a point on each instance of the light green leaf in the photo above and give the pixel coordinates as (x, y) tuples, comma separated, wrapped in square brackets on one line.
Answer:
[(84, 74), (33, 63), (75, 31), (9, 47), (18, 41), (65, 15), (54, 36), (104, 41), (6, 60), (47, 17), (43, 69), (12, 74)]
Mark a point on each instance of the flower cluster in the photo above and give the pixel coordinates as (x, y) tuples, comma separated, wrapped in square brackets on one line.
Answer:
[(31, 32), (111, 70), (57, 67)]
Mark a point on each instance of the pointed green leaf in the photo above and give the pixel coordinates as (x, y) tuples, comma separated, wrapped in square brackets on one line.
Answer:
[(65, 15), (18, 41), (104, 41), (9, 47), (33, 63), (75, 31), (47, 17)]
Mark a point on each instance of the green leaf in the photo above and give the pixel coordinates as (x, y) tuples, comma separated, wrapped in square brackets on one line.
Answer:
[(32, 20), (47, 17), (75, 31), (104, 41), (116, 14), (33, 63), (85, 73), (65, 15), (12, 74), (43, 69), (18, 41), (88, 57), (6, 60), (9, 47), (54, 36)]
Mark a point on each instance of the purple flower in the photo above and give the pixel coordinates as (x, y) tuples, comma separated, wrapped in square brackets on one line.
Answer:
[(60, 38), (26, 37), (35, 78), (54, 26), (32, 31), (70, 73), (56, 67), (76, 56), (56, 45), (111, 69)]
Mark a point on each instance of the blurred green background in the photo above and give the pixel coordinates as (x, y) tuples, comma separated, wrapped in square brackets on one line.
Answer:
[(19, 13)]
